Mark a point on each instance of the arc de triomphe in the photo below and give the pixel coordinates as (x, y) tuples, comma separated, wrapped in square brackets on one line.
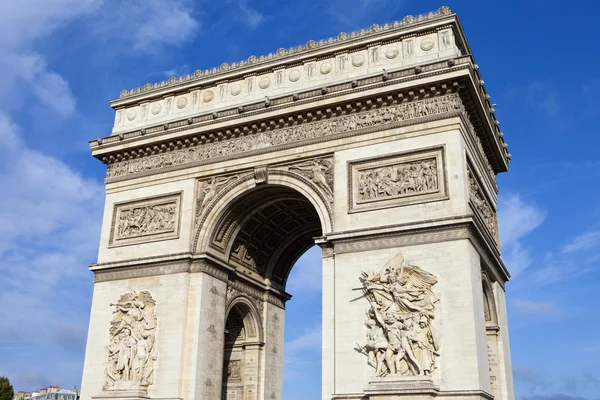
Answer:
[(380, 146)]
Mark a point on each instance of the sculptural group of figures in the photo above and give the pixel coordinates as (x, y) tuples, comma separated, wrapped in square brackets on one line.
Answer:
[(415, 177), (400, 337), (148, 219), (131, 351)]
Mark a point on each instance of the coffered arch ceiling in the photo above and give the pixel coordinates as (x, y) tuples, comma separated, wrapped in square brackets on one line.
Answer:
[(266, 230)]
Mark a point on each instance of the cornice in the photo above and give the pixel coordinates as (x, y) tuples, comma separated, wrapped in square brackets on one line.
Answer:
[(234, 114), (125, 147), (281, 56), (440, 230)]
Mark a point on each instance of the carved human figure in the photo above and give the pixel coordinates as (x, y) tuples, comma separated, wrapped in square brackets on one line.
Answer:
[(317, 170), (125, 358), (375, 346), (131, 351), (427, 344), (209, 189), (402, 305)]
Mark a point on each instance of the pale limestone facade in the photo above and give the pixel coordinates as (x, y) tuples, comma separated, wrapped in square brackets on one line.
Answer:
[(380, 146)]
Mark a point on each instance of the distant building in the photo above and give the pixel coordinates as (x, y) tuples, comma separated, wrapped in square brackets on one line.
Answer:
[(54, 393), (49, 393)]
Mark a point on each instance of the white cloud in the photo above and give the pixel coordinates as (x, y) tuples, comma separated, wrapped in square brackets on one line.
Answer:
[(49, 229), (582, 242), (536, 308), (249, 15), (517, 218), (147, 25)]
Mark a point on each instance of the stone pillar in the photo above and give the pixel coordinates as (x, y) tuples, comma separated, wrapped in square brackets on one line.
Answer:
[(506, 385), (273, 323), (328, 322), (203, 366)]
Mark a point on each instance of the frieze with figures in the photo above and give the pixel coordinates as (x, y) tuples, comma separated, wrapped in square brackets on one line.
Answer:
[(311, 130), (146, 220), (399, 179), (482, 206)]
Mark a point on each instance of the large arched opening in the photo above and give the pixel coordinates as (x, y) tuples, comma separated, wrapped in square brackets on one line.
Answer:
[(260, 232)]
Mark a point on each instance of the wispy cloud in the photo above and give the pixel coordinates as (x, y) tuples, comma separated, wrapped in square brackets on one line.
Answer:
[(251, 16), (517, 218), (147, 25), (582, 242), (536, 308), (543, 96)]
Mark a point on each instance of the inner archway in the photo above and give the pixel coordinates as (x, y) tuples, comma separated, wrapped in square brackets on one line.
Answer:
[(264, 231), (261, 233)]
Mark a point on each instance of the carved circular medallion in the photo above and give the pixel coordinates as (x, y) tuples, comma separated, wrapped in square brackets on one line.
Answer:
[(208, 96), (358, 60), (156, 107), (392, 52), (325, 68), (182, 102), (294, 75), (131, 114), (427, 44), (264, 82), (236, 89)]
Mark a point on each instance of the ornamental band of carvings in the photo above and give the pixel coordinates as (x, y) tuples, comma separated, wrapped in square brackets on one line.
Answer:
[(311, 130), (482, 207), (146, 220), (397, 179), (132, 346), (400, 340)]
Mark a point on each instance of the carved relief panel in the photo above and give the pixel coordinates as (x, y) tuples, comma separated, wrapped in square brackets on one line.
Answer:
[(396, 180), (401, 338), (482, 207), (131, 352), (146, 220)]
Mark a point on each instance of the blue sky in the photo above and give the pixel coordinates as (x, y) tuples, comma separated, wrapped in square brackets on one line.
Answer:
[(62, 61)]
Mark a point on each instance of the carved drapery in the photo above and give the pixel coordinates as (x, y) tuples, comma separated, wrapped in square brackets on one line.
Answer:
[(132, 345), (296, 133), (401, 337), (320, 172), (208, 190)]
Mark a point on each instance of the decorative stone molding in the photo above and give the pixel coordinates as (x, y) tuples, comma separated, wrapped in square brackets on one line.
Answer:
[(261, 174), (145, 220), (482, 207), (236, 289), (401, 338), (283, 53), (374, 117), (140, 271), (397, 179), (402, 239), (207, 268), (132, 351)]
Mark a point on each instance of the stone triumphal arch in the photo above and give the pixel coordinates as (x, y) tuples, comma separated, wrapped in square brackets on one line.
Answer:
[(381, 147)]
